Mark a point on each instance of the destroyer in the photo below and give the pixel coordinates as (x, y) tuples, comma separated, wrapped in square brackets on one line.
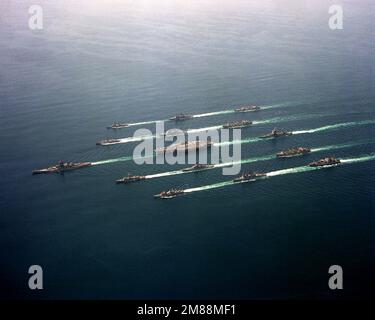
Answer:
[(108, 142), (275, 133), (247, 109), (249, 176), (293, 152), (118, 125), (181, 117), (129, 178), (329, 161), (198, 167), (169, 194), (186, 146), (62, 166), (237, 124)]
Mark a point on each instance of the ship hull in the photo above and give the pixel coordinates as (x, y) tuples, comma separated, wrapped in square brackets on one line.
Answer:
[(277, 136), (244, 180), (127, 181), (244, 111), (236, 127), (183, 148), (253, 178), (292, 155), (102, 143), (58, 170), (323, 165), (197, 170), (119, 127)]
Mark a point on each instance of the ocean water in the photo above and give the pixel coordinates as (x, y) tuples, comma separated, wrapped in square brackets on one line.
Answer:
[(95, 62)]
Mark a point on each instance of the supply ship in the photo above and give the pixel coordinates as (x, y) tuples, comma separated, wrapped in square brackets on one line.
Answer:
[(186, 146)]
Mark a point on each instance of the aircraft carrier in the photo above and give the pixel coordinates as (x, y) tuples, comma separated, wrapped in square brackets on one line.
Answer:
[(186, 146)]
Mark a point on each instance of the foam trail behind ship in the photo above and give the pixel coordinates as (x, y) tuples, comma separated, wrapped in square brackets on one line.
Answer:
[(257, 139), (208, 114), (139, 139), (335, 126), (259, 122), (315, 130), (145, 122), (220, 165), (112, 161), (301, 169), (256, 159)]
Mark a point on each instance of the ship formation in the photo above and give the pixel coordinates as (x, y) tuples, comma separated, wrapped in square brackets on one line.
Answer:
[(189, 146)]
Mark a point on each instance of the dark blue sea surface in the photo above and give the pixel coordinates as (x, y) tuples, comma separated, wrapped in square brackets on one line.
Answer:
[(96, 62)]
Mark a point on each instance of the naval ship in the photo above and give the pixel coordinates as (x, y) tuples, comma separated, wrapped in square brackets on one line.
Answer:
[(172, 193), (181, 117), (62, 166), (186, 146), (237, 124), (275, 133), (247, 109), (329, 161), (174, 132), (108, 142), (293, 152), (249, 176), (198, 167), (129, 178), (118, 125)]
